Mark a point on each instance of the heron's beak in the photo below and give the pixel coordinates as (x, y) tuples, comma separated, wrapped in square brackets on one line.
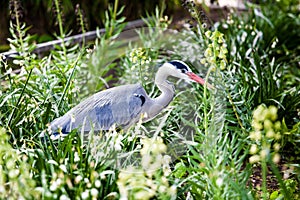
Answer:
[(197, 79)]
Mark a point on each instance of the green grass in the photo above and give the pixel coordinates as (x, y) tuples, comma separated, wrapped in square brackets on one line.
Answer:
[(204, 140)]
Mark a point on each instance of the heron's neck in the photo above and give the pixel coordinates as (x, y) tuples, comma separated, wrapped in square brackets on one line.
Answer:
[(156, 105), (166, 88)]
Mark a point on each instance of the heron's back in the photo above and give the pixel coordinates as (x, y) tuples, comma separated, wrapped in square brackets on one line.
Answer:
[(120, 105)]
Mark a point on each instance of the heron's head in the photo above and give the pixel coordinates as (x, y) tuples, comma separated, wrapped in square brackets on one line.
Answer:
[(181, 70)]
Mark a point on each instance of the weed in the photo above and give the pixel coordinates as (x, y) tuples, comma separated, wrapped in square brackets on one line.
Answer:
[(200, 146)]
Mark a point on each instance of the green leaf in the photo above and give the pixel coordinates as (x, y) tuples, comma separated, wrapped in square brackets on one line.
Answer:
[(274, 195), (180, 170)]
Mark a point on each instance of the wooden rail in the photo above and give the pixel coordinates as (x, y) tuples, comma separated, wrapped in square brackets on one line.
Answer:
[(88, 36)]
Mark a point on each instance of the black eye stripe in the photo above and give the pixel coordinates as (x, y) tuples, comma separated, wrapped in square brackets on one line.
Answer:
[(179, 66)]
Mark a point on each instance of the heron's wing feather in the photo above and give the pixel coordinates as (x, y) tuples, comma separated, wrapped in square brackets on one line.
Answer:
[(120, 105), (84, 115), (127, 105)]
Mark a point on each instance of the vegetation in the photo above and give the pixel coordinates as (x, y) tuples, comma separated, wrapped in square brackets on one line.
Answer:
[(222, 143)]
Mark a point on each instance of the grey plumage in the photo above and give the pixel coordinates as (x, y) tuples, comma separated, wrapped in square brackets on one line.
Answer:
[(104, 109), (122, 106)]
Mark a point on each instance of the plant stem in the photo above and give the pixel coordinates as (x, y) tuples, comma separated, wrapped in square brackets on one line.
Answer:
[(205, 102), (114, 17), (279, 179), (60, 25), (264, 178), (235, 111), (18, 26), (115, 9), (19, 99), (69, 81), (59, 18)]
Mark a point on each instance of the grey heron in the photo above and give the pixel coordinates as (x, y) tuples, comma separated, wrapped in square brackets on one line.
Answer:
[(124, 105)]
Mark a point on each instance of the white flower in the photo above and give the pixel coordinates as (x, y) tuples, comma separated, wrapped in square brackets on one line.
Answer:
[(268, 124), (276, 147), (13, 173), (118, 143), (64, 197), (277, 125), (58, 181), (8, 72), (94, 192), (53, 162), (173, 190), (76, 157), (86, 180), (10, 164), (162, 189), (276, 158), (258, 113), (273, 112), (219, 182), (97, 183), (256, 135), (270, 133), (244, 36), (53, 186), (254, 159), (146, 161), (85, 194), (253, 149), (63, 168), (78, 179), (274, 43)]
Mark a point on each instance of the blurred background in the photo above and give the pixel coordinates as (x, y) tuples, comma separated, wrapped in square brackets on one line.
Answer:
[(40, 15)]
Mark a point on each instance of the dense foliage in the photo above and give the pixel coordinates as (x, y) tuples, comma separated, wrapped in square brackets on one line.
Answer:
[(208, 144)]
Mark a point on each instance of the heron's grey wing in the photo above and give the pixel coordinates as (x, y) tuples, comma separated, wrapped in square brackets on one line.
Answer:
[(120, 105), (127, 105), (86, 115)]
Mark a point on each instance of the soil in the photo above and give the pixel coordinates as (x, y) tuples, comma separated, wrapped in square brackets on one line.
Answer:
[(256, 179)]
